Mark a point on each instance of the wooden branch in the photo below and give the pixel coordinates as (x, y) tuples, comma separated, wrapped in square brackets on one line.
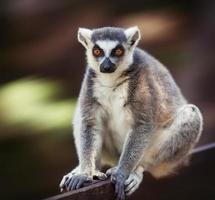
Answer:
[(93, 191)]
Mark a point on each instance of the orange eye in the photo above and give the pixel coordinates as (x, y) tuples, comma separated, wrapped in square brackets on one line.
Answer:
[(118, 52), (97, 52)]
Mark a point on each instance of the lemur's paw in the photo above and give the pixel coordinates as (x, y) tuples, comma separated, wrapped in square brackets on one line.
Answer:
[(118, 178), (99, 175), (133, 182), (110, 171), (73, 181)]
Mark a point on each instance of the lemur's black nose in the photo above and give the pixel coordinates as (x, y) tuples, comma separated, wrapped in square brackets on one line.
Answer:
[(107, 66)]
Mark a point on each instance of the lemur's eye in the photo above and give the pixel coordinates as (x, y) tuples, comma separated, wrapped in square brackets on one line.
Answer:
[(118, 51), (97, 52)]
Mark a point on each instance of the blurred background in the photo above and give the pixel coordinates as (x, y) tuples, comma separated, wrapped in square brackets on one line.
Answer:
[(42, 66)]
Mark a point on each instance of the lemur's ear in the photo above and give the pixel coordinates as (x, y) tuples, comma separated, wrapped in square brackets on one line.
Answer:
[(133, 35), (84, 36)]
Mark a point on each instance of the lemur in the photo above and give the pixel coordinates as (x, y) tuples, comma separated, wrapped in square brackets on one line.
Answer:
[(130, 113)]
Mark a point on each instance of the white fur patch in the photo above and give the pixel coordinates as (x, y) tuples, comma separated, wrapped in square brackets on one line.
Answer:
[(119, 117), (107, 46)]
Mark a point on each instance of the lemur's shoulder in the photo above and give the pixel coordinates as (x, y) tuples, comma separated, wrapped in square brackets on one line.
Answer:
[(155, 86), (147, 61), (153, 70)]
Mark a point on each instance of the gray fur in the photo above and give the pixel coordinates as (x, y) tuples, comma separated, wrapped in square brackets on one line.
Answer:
[(163, 127), (109, 33)]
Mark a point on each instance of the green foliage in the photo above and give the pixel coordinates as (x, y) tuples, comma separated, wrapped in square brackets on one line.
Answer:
[(34, 104)]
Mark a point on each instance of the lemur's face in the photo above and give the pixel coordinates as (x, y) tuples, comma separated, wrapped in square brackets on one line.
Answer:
[(109, 49), (107, 55)]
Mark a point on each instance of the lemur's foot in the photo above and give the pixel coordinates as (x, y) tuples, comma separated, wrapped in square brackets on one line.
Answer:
[(75, 179), (133, 182)]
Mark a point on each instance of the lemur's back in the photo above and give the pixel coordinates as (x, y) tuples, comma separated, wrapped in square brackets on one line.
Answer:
[(164, 93)]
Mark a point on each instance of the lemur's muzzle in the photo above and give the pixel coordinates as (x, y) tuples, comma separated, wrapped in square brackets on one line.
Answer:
[(107, 66)]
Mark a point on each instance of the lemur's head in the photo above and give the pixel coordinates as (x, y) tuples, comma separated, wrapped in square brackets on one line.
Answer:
[(109, 49)]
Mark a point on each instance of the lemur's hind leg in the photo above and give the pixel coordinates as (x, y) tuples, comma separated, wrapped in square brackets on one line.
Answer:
[(176, 141)]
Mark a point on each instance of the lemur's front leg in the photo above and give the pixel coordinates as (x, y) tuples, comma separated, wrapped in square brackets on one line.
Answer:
[(88, 140), (133, 150)]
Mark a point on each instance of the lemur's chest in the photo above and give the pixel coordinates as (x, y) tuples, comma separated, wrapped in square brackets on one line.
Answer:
[(113, 103)]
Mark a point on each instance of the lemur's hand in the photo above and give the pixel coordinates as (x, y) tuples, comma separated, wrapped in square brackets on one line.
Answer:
[(130, 184), (118, 177), (133, 182), (110, 171), (75, 179)]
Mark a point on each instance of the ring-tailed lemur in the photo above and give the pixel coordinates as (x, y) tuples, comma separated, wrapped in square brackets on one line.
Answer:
[(129, 110)]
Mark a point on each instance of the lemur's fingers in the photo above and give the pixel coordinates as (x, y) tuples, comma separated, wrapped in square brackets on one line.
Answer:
[(130, 186), (66, 177), (100, 175), (129, 180), (133, 182), (119, 190), (80, 183), (62, 183), (132, 189), (110, 171), (73, 184), (67, 183), (77, 181), (119, 179)]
